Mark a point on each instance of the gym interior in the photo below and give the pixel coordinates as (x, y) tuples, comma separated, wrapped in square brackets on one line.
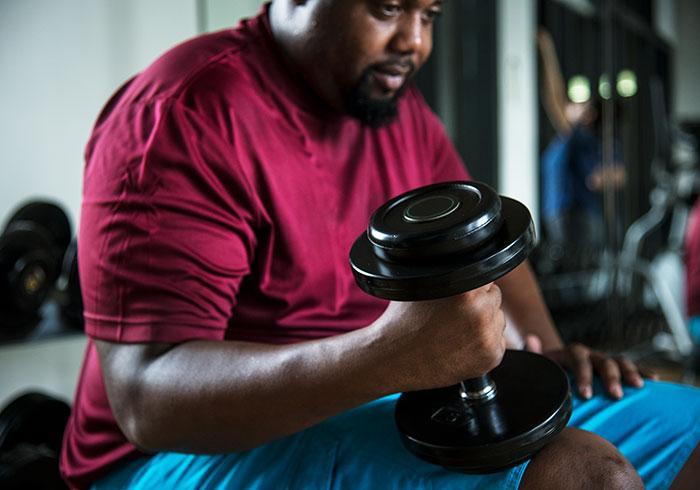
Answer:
[(614, 273)]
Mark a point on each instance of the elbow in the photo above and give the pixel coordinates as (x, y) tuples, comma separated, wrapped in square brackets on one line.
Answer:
[(139, 432), (137, 424), (137, 404)]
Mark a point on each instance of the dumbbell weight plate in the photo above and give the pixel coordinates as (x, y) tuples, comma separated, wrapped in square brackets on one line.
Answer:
[(30, 467), (531, 407), (423, 279), (70, 297), (435, 220), (31, 432), (49, 216), (27, 268), (33, 418)]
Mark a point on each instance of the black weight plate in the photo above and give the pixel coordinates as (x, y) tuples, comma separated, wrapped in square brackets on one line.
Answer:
[(16, 325), (69, 285), (33, 418), (30, 467), (438, 219), (423, 279), (28, 267), (49, 216), (532, 405)]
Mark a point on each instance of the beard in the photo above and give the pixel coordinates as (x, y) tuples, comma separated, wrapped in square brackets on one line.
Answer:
[(370, 111)]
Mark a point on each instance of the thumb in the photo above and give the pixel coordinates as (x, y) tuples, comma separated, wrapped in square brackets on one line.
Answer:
[(533, 344)]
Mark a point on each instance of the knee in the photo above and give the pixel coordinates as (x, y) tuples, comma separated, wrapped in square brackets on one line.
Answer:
[(579, 459)]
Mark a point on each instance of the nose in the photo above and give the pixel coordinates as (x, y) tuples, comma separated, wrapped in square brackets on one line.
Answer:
[(408, 38)]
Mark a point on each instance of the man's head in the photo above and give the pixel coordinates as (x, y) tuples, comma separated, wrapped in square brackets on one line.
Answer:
[(356, 54)]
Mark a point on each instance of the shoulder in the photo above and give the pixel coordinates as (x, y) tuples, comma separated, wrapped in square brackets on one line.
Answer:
[(193, 60), (205, 75)]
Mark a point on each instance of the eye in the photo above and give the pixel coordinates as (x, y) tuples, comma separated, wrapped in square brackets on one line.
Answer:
[(388, 9), (431, 15)]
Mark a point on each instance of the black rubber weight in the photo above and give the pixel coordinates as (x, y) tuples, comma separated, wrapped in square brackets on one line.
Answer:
[(49, 216), (424, 279), (531, 407), (439, 241)]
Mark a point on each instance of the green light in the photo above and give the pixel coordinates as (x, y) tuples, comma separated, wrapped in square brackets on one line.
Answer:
[(604, 88), (626, 83), (579, 89)]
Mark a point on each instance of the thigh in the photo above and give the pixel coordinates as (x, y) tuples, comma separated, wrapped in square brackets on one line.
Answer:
[(656, 427), (360, 448)]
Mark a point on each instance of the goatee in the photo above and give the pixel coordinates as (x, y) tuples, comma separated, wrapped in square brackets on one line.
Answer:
[(371, 111)]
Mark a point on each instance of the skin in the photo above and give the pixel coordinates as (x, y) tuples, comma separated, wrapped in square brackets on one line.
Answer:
[(332, 56), (213, 397), (231, 396)]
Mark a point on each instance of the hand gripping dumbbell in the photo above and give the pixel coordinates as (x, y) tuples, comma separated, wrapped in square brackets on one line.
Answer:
[(442, 240), (31, 247)]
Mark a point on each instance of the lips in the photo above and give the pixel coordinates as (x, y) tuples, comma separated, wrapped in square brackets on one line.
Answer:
[(391, 77)]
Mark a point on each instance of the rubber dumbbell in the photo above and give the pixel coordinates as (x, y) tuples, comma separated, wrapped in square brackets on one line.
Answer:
[(31, 432), (68, 287), (31, 247), (443, 240)]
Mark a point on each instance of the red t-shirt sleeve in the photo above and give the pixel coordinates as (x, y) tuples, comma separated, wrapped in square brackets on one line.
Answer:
[(692, 262), (167, 226)]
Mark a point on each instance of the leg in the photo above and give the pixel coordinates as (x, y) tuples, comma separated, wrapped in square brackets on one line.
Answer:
[(656, 428), (360, 448), (577, 460), (689, 476)]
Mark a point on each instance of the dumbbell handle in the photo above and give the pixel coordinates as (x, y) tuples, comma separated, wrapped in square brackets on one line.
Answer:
[(481, 388)]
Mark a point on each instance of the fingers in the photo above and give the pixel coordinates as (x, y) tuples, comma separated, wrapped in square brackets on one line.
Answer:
[(649, 373), (582, 369), (631, 374), (616, 371), (493, 289), (609, 371), (533, 344), (583, 362)]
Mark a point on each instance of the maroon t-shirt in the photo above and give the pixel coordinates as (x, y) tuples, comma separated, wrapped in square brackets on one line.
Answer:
[(692, 262), (221, 198)]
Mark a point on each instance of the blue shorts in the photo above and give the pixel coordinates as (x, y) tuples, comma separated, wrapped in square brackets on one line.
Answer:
[(655, 427), (694, 327)]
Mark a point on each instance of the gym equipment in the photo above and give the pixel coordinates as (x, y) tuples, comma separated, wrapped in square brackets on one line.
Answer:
[(31, 431), (442, 240), (662, 275), (635, 296), (68, 287), (31, 246)]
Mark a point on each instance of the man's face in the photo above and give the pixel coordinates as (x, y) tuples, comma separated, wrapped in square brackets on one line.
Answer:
[(363, 52)]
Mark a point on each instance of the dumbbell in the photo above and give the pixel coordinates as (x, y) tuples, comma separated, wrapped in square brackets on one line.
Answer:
[(31, 432), (68, 287), (443, 240), (31, 248)]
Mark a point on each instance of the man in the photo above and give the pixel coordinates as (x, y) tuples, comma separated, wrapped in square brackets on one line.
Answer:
[(229, 343)]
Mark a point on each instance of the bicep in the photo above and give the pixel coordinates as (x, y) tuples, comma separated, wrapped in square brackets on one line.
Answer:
[(166, 235)]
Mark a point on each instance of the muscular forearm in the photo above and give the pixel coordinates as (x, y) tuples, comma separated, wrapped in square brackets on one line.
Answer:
[(525, 307), (204, 396)]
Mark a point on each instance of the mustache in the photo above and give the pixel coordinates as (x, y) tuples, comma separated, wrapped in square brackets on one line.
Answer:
[(395, 64)]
